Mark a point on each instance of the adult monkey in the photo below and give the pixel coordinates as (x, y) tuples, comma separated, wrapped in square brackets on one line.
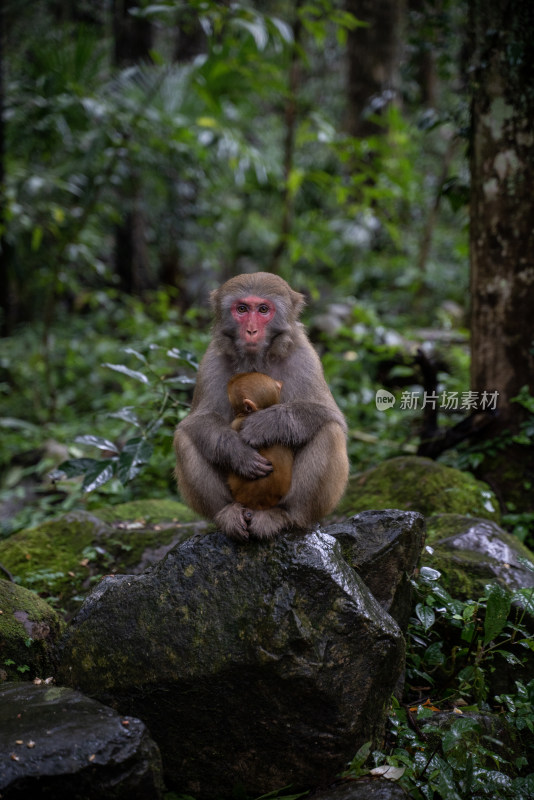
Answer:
[(256, 328)]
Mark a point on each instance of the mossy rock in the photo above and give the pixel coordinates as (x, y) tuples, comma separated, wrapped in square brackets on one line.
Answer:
[(151, 511), (29, 627), (411, 483), (63, 558), (470, 553)]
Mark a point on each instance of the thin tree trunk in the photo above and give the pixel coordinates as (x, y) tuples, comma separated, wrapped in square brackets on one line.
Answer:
[(5, 282), (132, 43), (502, 230), (373, 54), (291, 121)]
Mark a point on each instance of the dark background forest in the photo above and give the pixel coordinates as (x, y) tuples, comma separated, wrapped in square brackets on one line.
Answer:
[(377, 155)]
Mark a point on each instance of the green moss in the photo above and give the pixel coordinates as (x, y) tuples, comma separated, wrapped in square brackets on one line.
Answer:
[(149, 511), (65, 557), (50, 556), (411, 483), (28, 626)]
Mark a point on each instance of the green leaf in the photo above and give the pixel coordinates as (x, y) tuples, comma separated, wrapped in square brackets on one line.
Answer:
[(136, 353), (434, 654), (497, 611), (128, 415), (135, 453), (97, 441), (426, 615), (131, 373), (101, 472), (75, 467), (180, 380), (183, 355), (359, 759), (429, 574)]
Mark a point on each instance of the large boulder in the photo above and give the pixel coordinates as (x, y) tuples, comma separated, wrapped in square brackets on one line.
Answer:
[(419, 484), (253, 666), (55, 743)]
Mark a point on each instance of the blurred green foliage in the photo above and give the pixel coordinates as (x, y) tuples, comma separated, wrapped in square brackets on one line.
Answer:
[(200, 147)]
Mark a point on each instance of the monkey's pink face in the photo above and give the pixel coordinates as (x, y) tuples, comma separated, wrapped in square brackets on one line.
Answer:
[(253, 315)]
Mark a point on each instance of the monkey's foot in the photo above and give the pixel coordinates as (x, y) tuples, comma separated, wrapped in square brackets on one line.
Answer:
[(232, 520), (266, 524)]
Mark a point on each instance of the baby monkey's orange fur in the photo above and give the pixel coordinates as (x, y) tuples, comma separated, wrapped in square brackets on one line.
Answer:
[(249, 392)]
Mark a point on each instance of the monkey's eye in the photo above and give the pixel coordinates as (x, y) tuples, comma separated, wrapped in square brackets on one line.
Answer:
[(264, 308), (241, 308)]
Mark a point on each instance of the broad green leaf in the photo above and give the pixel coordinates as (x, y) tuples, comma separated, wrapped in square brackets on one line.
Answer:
[(497, 610), (76, 466), (131, 373), (136, 353), (256, 29), (128, 415), (135, 453), (434, 654), (98, 474), (183, 355), (97, 441), (388, 772), (429, 574), (426, 615)]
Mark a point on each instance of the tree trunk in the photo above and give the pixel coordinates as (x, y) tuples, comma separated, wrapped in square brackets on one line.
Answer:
[(132, 36), (5, 277), (373, 54), (502, 231), (132, 42)]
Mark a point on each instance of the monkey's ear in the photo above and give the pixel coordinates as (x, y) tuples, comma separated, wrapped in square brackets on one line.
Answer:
[(214, 300), (250, 405), (298, 301), (279, 385)]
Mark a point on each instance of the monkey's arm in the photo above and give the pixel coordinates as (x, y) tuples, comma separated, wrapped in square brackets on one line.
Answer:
[(292, 424), (223, 447)]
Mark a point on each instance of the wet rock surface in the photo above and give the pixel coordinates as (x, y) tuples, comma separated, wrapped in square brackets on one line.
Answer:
[(472, 552), (384, 548), (362, 789), (55, 743), (253, 666)]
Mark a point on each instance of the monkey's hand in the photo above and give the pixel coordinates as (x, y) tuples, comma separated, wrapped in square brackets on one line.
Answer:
[(248, 463), (254, 467), (233, 520), (224, 447)]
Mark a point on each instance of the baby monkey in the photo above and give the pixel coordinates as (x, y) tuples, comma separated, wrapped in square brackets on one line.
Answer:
[(249, 392)]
